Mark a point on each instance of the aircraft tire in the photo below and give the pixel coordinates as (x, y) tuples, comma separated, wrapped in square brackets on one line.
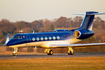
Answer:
[(14, 54), (50, 52), (70, 53)]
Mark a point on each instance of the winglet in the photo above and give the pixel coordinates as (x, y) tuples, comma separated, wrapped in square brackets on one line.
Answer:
[(7, 39)]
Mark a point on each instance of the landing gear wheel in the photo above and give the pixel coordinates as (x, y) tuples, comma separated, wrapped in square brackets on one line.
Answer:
[(50, 52), (70, 53), (14, 54)]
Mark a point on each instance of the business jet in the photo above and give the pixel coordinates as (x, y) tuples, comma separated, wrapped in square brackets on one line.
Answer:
[(58, 38)]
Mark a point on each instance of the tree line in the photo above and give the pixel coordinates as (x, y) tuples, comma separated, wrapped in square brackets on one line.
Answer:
[(45, 25)]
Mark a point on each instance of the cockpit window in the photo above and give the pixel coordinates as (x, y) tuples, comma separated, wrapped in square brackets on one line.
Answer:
[(17, 37), (20, 37)]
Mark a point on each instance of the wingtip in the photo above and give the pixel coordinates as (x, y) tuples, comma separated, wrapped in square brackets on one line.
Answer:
[(7, 39)]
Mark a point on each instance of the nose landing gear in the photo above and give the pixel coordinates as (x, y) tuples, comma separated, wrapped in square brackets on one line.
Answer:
[(15, 51)]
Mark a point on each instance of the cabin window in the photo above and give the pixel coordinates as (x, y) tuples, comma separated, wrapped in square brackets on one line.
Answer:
[(58, 37), (54, 37), (37, 39), (45, 38), (49, 38), (42, 38), (33, 39)]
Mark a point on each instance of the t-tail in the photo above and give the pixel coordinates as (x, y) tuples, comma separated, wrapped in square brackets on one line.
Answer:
[(88, 19), (85, 29)]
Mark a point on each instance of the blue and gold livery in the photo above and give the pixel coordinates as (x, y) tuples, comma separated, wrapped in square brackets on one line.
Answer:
[(57, 38)]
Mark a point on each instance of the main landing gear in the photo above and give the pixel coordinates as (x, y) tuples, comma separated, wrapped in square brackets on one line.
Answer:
[(15, 51), (48, 51), (70, 51)]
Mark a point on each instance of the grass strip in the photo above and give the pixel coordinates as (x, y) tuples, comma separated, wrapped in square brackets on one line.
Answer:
[(75, 63)]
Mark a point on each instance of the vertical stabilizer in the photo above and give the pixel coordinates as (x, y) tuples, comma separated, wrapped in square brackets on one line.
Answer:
[(88, 19)]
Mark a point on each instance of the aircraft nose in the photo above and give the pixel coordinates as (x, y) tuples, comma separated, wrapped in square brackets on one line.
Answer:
[(7, 44)]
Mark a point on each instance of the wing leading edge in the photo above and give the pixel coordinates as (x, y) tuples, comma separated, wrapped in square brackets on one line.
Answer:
[(78, 45)]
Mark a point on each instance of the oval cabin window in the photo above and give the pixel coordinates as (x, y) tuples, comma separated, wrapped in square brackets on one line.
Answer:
[(54, 37), (42, 38), (37, 39), (33, 39), (50, 38), (45, 38)]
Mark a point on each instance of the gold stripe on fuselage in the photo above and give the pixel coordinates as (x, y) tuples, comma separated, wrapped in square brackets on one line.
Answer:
[(46, 44)]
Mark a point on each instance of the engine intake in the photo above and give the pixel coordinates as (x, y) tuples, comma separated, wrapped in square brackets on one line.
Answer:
[(82, 34)]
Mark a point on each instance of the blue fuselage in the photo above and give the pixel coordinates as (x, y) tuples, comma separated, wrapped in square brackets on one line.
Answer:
[(39, 37), (45, 39)]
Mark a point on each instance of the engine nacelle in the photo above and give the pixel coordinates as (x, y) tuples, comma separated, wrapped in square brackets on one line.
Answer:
[(82, 34)]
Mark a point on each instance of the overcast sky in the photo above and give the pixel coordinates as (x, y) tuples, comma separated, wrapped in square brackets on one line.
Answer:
[(30, 10)]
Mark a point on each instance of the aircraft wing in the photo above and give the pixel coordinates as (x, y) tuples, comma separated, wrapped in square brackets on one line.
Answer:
[(78, 45)]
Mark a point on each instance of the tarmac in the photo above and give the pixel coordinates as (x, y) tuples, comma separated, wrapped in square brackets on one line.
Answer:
[(60, 55)]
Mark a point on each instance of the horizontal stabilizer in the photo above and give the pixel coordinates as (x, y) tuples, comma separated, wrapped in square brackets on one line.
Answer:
[(88, 14), (96, 14), (79, 14)]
